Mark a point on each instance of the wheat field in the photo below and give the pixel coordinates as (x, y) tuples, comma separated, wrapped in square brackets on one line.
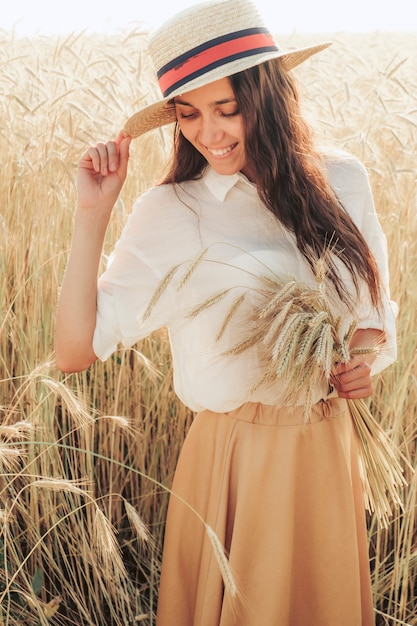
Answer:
[(86, 460)]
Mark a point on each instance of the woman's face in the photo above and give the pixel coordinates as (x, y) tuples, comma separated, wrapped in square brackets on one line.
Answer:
[(210, 120)]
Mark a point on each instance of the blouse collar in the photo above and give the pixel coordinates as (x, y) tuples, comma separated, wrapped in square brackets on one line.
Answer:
[(220, 185)]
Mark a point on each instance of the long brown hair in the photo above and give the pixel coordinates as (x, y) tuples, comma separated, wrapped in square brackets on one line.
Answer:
[(289, 174)]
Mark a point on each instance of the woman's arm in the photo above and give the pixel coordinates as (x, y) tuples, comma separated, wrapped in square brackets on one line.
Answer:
[(353, 379), (101, 174)]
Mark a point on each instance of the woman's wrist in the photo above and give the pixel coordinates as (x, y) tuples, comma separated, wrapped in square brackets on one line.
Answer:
[(367, 342)]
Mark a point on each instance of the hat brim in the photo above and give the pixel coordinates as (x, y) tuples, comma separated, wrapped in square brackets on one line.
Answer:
[(162, 112)]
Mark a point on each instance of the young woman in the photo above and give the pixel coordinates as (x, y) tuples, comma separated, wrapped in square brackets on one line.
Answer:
[(247, 194)]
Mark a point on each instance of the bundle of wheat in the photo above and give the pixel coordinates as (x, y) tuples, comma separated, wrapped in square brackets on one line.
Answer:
[(299, 340)]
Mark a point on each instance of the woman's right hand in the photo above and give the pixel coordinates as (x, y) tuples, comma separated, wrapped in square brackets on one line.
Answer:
[(102, 171), (101, 174)]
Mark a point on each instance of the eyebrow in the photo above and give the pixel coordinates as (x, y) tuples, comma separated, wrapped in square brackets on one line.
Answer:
[(178, 100)]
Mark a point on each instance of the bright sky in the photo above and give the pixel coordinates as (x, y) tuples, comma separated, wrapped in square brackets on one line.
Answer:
[(28, 17)]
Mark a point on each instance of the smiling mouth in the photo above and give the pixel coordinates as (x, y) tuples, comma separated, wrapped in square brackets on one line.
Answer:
[(217, 152)]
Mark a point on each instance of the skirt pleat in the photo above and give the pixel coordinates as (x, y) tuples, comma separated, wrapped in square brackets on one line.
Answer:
[(284, 497)]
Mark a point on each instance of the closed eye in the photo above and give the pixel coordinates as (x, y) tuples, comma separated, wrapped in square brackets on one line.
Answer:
[(187, 116), (232, 114), (190, 116)]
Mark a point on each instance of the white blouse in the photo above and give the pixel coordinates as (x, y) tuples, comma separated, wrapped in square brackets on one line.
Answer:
[(155, 279)]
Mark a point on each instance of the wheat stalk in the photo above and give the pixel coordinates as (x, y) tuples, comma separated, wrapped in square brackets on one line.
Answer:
[(222, 562), (192, 268), (137, 523), (209, 302), (105, 543), (161, 287), (382, 474), (236, 304)]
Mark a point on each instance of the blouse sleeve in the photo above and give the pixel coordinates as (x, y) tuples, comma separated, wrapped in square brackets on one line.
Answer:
[(352, 185), (153, 242)]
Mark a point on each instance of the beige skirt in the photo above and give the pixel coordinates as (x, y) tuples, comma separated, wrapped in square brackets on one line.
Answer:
[(284, 498)]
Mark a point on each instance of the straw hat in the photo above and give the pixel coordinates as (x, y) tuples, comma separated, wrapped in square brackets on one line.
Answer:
[(202, 44)]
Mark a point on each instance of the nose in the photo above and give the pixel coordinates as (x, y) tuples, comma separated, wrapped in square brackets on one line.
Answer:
[(210, 131)]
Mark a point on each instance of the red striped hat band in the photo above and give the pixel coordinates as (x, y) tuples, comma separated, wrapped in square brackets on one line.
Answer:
[(212, 54)]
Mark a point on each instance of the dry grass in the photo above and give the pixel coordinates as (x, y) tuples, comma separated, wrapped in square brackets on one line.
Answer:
[(78, 452)]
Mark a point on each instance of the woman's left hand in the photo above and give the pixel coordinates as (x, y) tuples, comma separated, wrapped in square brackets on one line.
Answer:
[(353, 379)]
